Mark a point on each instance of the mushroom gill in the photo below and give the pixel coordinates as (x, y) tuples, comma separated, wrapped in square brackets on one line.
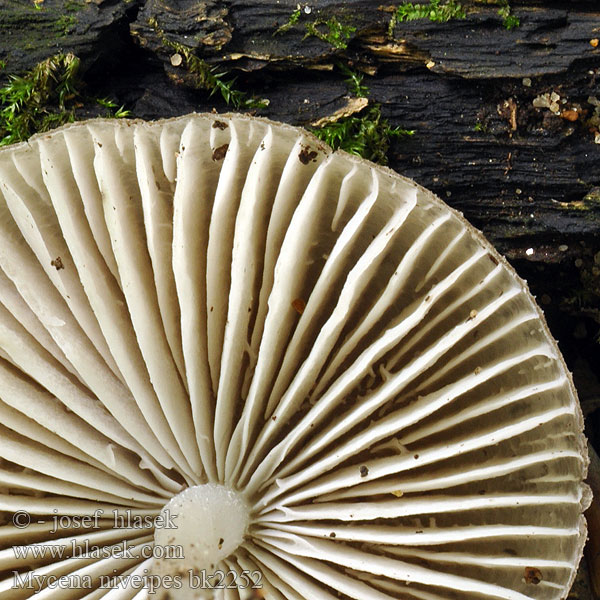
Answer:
[(235, 364)]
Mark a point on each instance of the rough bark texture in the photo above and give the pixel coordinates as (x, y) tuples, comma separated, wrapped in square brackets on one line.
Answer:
[(506, 121)]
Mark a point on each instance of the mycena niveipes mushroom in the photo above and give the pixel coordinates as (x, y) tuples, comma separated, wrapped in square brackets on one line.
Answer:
[(219, 316)]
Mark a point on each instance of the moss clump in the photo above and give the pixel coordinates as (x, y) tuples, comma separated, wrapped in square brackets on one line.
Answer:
[(354, 81), (434, 11), (44, 98), (293, 19), (509, 21), (64, 24), (114, 110), (331, 31), (39, 100), (207, 77), (367, 134)]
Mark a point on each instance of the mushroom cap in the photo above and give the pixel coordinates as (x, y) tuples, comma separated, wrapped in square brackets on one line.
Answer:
[(219, 307)]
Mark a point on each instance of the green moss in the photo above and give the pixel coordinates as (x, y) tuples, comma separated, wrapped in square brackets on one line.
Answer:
[(64, 24), (366, 134), (294, 18), (44, 98), (39, 100), (354, 81), (434, 11), (207, 77), (331, 31), (114, 110), (509, 21)]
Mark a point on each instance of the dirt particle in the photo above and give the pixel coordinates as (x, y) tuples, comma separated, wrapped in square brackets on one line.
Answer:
[(299, 305), (532, 575), (57, 263), (416, 456), (219, 125), (570, 115), (306, 155), (364, 471), (220, 152), (332, 534), (221, 541), (508, 110)]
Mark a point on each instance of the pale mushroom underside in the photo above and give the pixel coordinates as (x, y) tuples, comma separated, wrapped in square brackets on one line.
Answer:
[(223, 299)]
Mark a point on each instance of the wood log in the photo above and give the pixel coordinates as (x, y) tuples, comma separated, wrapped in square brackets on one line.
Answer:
[(506, 121)]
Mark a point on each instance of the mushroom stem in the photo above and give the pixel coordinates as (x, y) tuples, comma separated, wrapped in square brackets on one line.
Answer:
[(197, 530)]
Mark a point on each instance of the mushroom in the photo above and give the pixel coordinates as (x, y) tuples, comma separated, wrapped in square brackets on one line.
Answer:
[(232, 357)]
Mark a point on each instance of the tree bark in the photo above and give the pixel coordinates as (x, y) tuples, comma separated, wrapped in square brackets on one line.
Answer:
[(506, 121)]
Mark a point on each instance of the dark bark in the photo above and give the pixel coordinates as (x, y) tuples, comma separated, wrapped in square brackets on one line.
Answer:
[(527, 176)]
